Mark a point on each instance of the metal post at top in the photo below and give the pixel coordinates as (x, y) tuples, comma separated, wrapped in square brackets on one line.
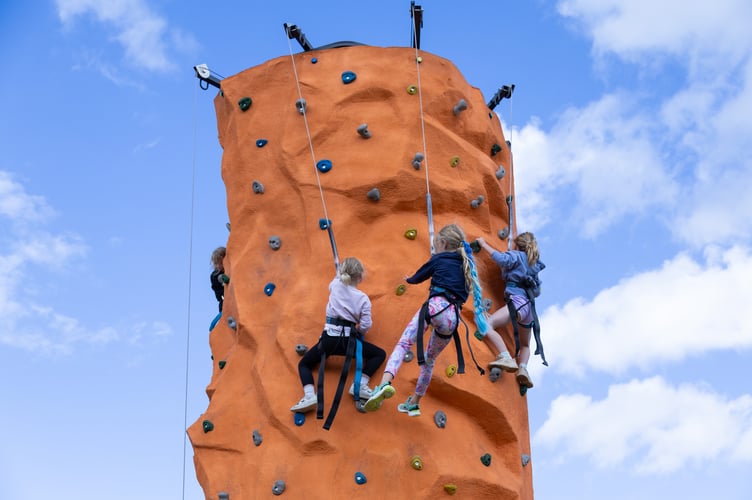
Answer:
[(416, 14), (295, 32)]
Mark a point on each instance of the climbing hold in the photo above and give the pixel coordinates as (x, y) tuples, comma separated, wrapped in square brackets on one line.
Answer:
[(224, 278), (525, 459), (348, 77), (408, 356), (495, 374), (486, 304), (523, 390), (412, 90), (224, 495), (475, 246), (360, 478), (222, 364), (411, 234), (245, 103), (477, 202), (228, 227), (279, 487), (275, 242), (374, 194), (258, 188), (500, 173), (490, 115), (301, 349), (269, 289), (478, 335), (207, 425), (364, 132), (460, 107), (450, 488), (451, 370), (401, 289), (486, 459), (314, 60), (231, 322), (440, 419), (509, 199), (299, 418), (416, 462), (419, 59), (417, 159), (300, 105), (454, 161), (495, 149), (260, 143), (509, 145), (324, 224), (503, 233), (324, 166), (257, 439)]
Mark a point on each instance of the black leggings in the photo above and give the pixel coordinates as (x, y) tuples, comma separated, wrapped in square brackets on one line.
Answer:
[(373, 356)]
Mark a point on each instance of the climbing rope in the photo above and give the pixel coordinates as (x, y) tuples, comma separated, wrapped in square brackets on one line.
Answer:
[(303, 111), (190, 260), (429, 204), (512, 226)]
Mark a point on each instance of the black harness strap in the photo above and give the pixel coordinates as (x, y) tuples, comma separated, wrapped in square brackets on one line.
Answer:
[(349, 353), (536, 325)]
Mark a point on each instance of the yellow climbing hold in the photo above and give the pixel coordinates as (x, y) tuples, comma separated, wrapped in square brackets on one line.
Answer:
[(454, 161), (416, 462), (450, 488), (411, 234), (451, 370), (419, 59), (412, 90), (401, 289)]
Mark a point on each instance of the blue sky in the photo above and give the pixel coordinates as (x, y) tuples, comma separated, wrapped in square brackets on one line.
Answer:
[(630, 125)]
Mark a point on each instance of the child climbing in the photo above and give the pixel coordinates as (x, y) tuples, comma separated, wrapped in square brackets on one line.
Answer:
[(452, 273), (217, 260), (348, 312), (519, 269)]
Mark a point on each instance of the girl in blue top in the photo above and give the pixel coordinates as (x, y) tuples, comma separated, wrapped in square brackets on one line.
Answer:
[(452, 274), (515, 266)]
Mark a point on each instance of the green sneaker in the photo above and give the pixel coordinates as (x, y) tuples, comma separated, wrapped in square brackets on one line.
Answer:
[(380, 393), (412, 410)]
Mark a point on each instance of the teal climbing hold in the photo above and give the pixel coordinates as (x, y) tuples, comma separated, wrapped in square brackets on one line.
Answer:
[(486, 459), (523, 390), (222, 364), (360, 478), (495, 149), (260, 143), (269, 289), (299, 418), (224, 278), (207, 425), (348, 77), (245, 103), (324, 166), (478, 335), (324, 223)]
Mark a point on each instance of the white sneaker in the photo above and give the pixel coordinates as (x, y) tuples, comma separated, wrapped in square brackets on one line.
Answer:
[(506, 363), (308, 403), (365, 391), (523, 378)]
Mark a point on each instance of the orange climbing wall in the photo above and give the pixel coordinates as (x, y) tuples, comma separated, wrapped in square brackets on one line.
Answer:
[(259, 381)]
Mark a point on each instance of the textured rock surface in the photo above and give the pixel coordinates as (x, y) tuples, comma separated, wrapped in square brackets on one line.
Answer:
[(259, 381)]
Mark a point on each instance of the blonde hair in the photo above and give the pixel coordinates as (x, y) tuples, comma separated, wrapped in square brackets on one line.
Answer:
[(351, 271), (526, 242), (218, 257)]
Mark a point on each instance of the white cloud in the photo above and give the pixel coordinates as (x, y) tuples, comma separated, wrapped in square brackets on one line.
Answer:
[(655, 316), (143, 34), (19, 206), (652, 426)]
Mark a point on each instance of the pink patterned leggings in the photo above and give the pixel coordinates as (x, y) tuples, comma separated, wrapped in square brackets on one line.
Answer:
[(444, 323)]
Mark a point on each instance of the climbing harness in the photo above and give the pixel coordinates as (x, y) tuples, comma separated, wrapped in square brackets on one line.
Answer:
[(354, 349), (291, 33), (535, 325)]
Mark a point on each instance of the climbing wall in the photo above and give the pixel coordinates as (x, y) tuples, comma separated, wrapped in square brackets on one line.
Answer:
[(292, 170)]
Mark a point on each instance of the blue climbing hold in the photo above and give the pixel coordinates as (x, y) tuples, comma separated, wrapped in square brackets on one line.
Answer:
[(269, 289), (360, 478), (348, 77), (324, 224), (260, 143), (314, 60), (324, 166), (299, 418)]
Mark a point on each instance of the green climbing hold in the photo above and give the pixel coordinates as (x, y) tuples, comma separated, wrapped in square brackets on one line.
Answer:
[(222, 364), (416, 462), (207, 425), (411, 234), (224, 278), (450, 488), (523, 390), (245, 103), (486, 459), (454, 161), (401, 289), (478, 335), (495, 149), (412, 90)]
